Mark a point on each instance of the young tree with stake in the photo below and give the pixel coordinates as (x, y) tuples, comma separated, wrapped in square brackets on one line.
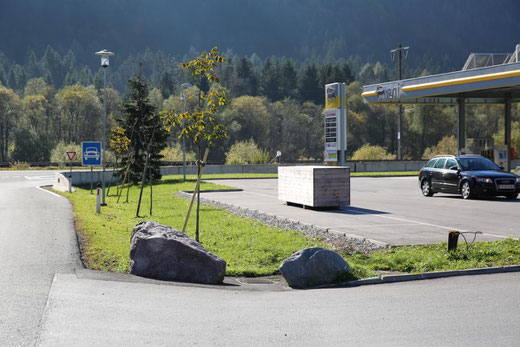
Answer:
[(199, 125)]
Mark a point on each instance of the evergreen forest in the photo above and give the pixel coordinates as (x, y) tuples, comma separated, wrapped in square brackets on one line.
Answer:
[(279, 55)]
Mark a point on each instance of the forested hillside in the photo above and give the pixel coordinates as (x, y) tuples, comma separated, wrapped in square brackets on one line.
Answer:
[(300, 29), (280, 54)]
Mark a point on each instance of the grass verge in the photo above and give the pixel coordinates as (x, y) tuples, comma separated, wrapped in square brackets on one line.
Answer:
[(428, 258), (249, 247)]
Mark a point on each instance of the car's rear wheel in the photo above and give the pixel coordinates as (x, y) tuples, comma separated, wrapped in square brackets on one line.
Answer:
[(466, 191), (512, 196), (426, 188)]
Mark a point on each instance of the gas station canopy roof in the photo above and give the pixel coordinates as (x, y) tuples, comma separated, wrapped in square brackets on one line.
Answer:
[(481, 85)]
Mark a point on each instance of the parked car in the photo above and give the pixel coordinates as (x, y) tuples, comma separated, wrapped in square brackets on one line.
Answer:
[(467, 175)]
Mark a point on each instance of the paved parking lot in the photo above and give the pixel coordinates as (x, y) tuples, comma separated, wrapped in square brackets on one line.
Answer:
[(391, 210)]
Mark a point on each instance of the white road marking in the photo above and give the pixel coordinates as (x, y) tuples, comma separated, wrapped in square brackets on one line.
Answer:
[(409, 221), (259, 194), (406, 221), (370, 225), (41, 178), (499, 236), (47, 191)]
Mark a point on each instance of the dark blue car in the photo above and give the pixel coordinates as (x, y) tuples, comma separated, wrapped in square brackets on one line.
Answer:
[(467, 175)]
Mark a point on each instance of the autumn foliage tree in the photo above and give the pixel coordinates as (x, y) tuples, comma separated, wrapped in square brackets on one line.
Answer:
[(199, 125)]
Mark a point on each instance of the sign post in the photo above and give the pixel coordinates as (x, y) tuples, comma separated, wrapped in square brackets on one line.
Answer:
[(98, 200), (91, 156), (71, 156)]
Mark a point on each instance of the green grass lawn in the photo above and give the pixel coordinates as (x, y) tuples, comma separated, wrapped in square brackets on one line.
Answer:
[(428, 258), (249, 248)]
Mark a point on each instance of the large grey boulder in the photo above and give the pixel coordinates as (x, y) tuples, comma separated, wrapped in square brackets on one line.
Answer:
[(313, 267), (161, 252)]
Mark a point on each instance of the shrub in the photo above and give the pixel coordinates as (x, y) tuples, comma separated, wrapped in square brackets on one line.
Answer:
[(448, 145), (246, 152), (368, 152), (19, 165), (175, 153), (59, 152)]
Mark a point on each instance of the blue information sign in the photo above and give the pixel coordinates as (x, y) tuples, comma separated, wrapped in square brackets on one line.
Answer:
[(91, 153)]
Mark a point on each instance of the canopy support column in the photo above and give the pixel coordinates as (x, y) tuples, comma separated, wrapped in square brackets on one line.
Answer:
[(507, 128), (461, 125)]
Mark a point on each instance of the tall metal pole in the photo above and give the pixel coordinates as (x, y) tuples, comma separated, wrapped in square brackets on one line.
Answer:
[(400, 112), (342, 124), (507, 130), (399, 50), (104, 129), (183, 98)]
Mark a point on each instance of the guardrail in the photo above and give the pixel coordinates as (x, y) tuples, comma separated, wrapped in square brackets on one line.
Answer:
[(215, 167)]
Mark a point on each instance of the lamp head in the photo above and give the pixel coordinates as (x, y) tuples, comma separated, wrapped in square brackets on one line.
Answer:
[(104, 57)]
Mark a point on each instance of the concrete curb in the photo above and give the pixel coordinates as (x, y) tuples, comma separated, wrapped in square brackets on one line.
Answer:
[(429, 275)]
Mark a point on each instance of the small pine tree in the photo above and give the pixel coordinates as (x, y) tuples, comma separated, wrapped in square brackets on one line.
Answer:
[(141, 122)]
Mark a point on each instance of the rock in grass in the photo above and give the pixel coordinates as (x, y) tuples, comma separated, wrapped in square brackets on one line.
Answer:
[(313, 267), (161, 252)]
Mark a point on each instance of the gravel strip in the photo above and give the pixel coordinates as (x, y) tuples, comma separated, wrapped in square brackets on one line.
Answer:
[(339, 241)]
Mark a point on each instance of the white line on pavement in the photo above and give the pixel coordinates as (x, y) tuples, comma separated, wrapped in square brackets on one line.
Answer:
[(370, 225), (423, 223), (269, 196), (499, 236), (409, 221), (47, 191), (32, 178)]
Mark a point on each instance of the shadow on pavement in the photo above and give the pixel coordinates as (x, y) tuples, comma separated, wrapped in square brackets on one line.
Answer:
[(357, 210)]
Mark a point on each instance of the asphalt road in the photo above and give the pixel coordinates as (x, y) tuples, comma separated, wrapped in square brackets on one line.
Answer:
[(37, 241), (48, 299), (391, 210), (464, 311)]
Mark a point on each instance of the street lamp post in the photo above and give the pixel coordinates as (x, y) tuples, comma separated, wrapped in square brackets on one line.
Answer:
[(104, 63), (183, 99), (399, 51)]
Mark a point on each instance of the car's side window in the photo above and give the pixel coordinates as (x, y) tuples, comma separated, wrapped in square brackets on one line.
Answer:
[(440, 163), (451, 163), (431, 163)]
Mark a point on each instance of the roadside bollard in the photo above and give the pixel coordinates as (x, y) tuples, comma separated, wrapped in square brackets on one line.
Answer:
[(453, 239), (98, 200), (70, 184)]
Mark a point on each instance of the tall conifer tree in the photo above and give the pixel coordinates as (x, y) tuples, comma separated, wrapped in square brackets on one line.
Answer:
[(140, 121)]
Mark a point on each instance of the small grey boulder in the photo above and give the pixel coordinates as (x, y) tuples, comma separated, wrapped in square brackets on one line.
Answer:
[(161, 252), (313, 267)]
